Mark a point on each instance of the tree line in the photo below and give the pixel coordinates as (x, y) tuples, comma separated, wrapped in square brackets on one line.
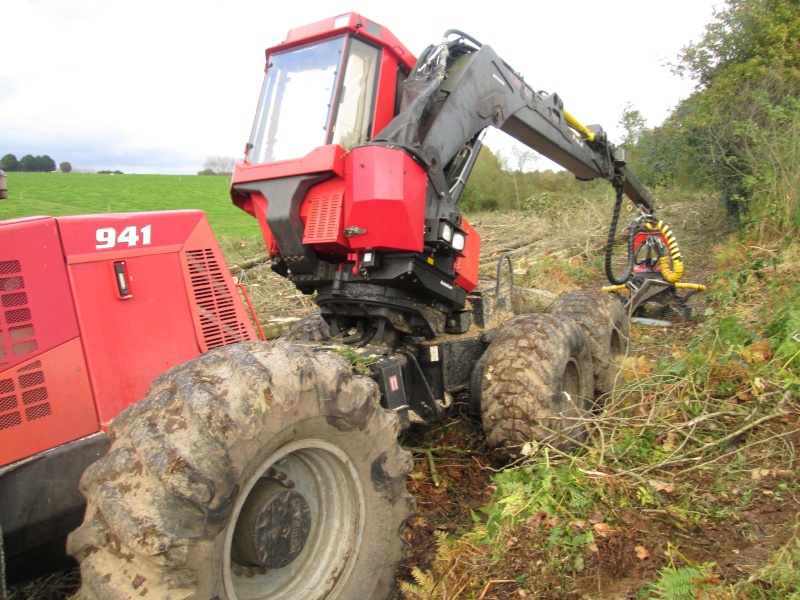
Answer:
[(32, 164), (738, 133)]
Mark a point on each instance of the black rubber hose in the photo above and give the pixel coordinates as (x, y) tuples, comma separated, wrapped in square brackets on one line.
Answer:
[(610, 245)]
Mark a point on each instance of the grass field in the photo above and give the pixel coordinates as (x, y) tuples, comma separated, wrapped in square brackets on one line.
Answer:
[(59, 194)]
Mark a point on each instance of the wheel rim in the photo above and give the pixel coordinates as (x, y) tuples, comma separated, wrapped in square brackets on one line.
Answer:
[(570, 400), (615, 344), (327, 481), (572, 383)]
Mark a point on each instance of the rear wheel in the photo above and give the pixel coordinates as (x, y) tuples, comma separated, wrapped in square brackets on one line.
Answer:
[(605, 323), (537, 384), (256, 471)]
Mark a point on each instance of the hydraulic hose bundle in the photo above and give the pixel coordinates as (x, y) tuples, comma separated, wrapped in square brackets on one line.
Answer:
[(612, 232)]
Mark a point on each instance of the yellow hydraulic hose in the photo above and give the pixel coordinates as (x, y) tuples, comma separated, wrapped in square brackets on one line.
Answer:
[(578, 126), (681, 286), (672, 273), (691, 286)]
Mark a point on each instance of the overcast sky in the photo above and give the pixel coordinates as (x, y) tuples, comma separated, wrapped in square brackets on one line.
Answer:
[(157, 86)]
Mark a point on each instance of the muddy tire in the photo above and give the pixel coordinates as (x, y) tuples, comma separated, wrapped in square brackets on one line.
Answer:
[(606, 325), (311, 328), (537, 384), (256, 471)]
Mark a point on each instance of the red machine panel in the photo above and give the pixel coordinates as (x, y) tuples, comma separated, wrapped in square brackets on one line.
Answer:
[(45, 402), (385, 198), (466, 266), (36, 312), (45, 397), (150, 291)]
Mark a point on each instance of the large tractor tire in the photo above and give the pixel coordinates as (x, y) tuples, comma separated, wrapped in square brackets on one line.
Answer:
[(311, 328), (606, 325), (256, 471), (537, 384)]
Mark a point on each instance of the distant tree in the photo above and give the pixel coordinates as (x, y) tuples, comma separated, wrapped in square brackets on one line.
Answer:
[(10, 163), (28, 163), (738, 132), (634, 125), (65, 167), (46, 164), (487, 188), (218, 165), (37, 164)]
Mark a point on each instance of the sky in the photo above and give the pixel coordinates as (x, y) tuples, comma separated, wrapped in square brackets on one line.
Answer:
[(158, 86)]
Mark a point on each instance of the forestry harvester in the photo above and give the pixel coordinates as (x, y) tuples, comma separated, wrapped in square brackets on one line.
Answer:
[(267, 470)]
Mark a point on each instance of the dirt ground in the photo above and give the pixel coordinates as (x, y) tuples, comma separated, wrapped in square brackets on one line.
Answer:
[(451, 479), (756, 518)]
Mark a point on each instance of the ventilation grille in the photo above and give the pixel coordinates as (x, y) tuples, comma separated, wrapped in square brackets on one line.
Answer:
[(323, 223), (23, 396), (17, 337), (215, 304)]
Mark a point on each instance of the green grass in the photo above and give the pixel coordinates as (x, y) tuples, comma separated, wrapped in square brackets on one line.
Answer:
[(60, 194)]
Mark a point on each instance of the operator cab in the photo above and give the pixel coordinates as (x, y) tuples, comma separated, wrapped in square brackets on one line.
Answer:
[(325, 91), (318, 94)]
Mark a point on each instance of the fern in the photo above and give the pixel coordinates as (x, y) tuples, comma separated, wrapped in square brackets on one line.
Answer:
[(423, 589), (686, 583)]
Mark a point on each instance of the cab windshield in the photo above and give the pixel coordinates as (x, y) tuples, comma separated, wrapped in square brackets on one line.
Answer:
[(312, 97)]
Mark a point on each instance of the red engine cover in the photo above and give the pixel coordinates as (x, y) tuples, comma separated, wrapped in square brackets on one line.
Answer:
[(88, 320)]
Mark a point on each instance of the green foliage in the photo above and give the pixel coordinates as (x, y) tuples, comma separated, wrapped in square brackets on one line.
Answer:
[(784, 333), (360, 363), (10, 164), (739, 131), (37, 164), (58, 194), (634, 125), (559, 493), (496, 184), (778, 580), (487, 188), (686, 583), (65, 167)]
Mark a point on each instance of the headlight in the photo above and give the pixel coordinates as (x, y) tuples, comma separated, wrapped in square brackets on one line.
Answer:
[(446, 232), (459, 241)]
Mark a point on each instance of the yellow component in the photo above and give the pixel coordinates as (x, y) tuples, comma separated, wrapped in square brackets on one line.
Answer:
[(672, 273), (430, 260), (691, 286), (578, 126), (614, 288)]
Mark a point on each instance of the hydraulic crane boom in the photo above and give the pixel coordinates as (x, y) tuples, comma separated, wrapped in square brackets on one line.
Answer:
[(460, 87)]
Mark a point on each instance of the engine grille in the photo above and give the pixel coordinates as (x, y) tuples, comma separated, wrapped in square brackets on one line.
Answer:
[(216, 311), (23, 395), (17, 337), (324, 219)]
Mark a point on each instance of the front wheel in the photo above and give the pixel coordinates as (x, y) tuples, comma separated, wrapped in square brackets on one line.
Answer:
[(257, 471)]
